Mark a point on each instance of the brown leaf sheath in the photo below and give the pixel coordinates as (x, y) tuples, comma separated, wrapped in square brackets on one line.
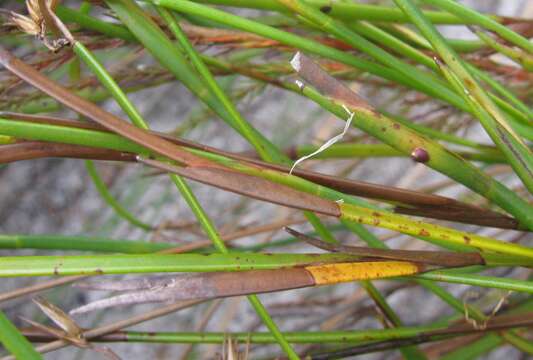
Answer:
[(225, 284), (437, 258), (255, 187), (327, 84), (39, 149), (207, 286), (95, 113), (416, 203)]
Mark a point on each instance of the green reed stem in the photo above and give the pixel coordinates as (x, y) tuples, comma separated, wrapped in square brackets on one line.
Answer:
[(15, 342)]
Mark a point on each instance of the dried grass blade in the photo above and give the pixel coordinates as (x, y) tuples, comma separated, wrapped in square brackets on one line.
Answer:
[(437, 258), (30, 150), (93, 112), (327, 84), (247, 185)]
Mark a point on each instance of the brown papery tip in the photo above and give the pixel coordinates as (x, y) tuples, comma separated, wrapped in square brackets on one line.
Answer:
[(420, 155)]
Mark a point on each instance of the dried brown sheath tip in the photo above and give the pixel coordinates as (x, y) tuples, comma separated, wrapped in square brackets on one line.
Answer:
[(327, 84), (205, 286), (255, 187), (437, 258), (40, 149), (95, 113)]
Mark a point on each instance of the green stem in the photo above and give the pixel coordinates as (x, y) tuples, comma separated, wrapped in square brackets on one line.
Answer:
[(15, 342), (474, 17), (431, 232), (81, 243), (479, 280), (342, 10), (110, 200), (357, 150), (16, 266)]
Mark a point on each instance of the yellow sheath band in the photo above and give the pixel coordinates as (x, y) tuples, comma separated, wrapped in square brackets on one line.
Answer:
[(343, 272)]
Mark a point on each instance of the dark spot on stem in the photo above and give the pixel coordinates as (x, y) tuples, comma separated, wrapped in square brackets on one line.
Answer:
[(467, 239), (420, 155), (396, 126), (423, 232), (326, 9)]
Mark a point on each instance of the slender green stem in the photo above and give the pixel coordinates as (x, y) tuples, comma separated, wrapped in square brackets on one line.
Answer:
[(311, 337), (356, 150), (15, 266), (343, 10), (480, 280), (81, 243), (110, 200), (15, 342), (474, 17), (431, 231), (265, 149)]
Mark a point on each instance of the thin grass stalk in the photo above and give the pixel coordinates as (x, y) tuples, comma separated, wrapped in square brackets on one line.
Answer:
[(344, 11), (326, 337), (519, 57), (21, 266), (81, 243), (357, 150), (111, 201), (480, 280), (151, 263), (474, 17)]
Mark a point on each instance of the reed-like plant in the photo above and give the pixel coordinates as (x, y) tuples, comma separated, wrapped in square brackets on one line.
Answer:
[(437, 88)]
